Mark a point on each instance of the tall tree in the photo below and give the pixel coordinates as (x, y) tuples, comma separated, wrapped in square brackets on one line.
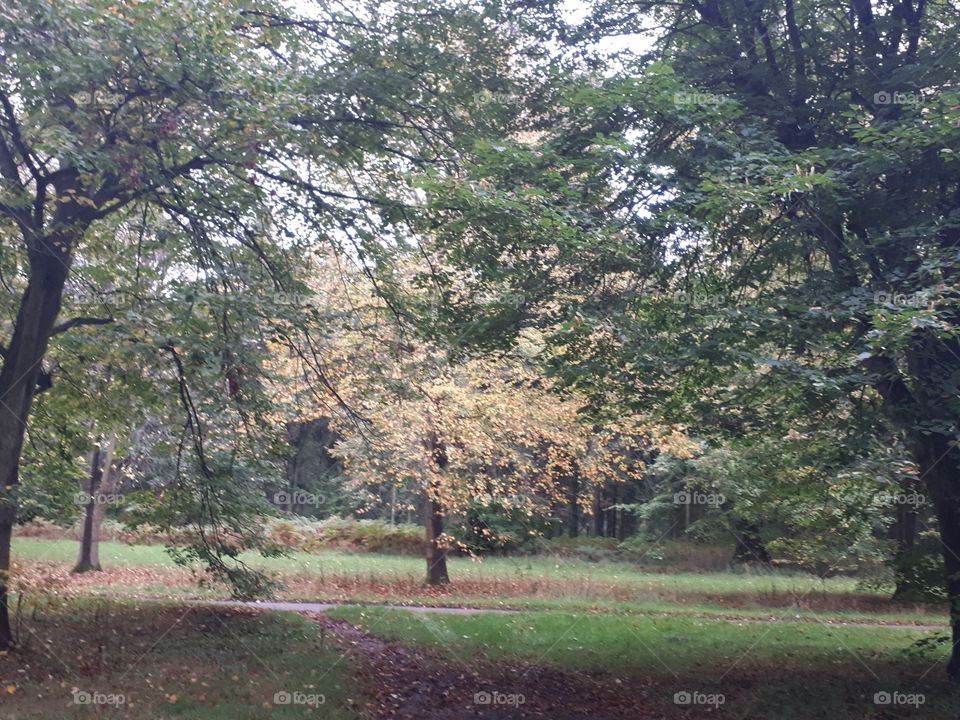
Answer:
[(255, 130), (786, 202)]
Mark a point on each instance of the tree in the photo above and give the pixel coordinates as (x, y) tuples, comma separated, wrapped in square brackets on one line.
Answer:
[(466, 437), (256, 132), (786, 207)]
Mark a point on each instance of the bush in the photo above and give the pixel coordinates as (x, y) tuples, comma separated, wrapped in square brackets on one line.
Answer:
[(347, 534), (47, 530), (677, 555)]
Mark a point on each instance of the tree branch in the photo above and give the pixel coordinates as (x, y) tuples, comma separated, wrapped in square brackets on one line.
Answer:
[(74, 322)]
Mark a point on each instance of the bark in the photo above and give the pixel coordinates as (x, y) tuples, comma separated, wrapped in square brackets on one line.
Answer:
[(433, 518), (598, 512), (573, 526), (85, 562), (750, 547), (610, 519), (49, 259), (904, 532), (436, 552), (101, 483), (939, 463)]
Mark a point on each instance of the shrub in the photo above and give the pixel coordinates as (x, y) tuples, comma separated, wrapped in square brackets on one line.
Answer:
[(298, 533)]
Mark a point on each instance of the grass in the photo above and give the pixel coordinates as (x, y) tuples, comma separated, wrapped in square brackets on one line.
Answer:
[(524, 583), (580, 617), (782, 670), (596, 642), (387, 566), (167, 661)]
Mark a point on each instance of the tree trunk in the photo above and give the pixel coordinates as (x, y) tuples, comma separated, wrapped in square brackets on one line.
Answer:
[(903, 531), (750, 547), (573, 519), (436, 553), (433, 516), (610, 522), (598, 512), (100, 484), (39, 307), (92, 489), (938, 460)]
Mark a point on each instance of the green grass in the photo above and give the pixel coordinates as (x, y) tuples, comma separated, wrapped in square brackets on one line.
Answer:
[(111, 553), (574, 584), (788, 671), (598, 641), (171, 662), (387, 566)]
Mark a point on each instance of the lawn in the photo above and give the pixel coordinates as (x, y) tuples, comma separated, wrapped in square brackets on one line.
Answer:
[(633, 635), (762, 670), (397, 566), (522, 583)]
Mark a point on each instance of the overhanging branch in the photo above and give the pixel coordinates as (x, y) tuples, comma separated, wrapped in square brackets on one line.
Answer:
[(74, 322)]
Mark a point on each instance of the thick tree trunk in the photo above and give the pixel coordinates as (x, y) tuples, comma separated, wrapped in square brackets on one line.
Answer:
[(939, 463), (39, 307), (436, 552)]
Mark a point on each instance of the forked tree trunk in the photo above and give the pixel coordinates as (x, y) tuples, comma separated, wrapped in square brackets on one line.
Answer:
[(99, 485), (49, 259)]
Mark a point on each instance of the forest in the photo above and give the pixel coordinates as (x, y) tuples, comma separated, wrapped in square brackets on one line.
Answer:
[(499, 359)]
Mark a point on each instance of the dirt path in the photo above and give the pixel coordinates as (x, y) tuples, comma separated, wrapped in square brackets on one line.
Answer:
[(298, 606), (403, 683)]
